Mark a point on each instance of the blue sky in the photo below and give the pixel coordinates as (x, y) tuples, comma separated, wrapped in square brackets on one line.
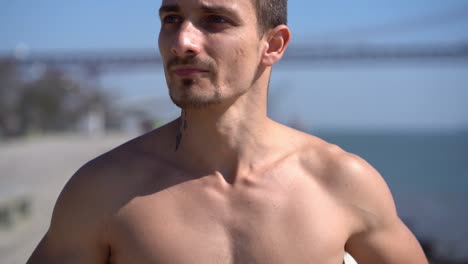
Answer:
[(85, 24), (349, 97)]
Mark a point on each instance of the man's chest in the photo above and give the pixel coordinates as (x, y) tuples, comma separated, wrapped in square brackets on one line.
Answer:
[(259, 226)]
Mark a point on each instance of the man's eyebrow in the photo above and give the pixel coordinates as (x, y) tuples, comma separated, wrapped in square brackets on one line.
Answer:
[(217, 9), (210, 9), (169, 8)]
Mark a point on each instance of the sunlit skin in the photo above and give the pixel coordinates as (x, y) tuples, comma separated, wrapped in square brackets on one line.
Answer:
[(240, 188), (211, 53)]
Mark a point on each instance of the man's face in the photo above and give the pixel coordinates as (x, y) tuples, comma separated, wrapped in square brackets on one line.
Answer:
[(210, 48)]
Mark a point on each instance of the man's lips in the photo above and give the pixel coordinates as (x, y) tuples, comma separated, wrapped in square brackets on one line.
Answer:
[(187, 72)]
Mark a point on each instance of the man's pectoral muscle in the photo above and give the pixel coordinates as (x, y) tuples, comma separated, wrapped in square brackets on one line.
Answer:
[(306, 208)]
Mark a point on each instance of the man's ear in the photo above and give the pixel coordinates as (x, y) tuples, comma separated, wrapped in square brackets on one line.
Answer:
[(277, 40)]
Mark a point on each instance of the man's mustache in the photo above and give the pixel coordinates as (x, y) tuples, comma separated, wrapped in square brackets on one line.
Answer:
[(192, 61)]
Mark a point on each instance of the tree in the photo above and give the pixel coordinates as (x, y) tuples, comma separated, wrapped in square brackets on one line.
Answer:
[(10, 84), (51, 103)]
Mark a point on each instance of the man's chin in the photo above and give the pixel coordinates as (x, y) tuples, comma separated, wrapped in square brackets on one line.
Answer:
[(195, 104)]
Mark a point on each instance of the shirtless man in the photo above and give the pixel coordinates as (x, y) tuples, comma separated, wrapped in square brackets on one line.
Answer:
[(240, 188)]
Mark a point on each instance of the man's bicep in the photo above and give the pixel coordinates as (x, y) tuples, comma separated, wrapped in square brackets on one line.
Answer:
[(56, 250), (390, 244), (379, 235), (73, 235), (67, 247)]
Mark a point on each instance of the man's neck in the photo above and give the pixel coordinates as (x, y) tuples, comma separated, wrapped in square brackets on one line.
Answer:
[(230, 140)]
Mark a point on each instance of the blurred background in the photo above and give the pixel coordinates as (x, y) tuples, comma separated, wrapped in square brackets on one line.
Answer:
[(387, 80)]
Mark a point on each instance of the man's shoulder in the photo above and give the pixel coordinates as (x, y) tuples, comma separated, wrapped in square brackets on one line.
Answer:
[(350, 179), (115, 173), (152, 148), (331, 162), (327, 160)]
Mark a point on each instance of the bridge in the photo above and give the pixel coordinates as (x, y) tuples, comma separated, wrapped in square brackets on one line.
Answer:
[(95, 63)]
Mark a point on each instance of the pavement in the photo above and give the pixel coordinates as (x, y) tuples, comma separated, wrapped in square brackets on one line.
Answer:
[(33, 171)]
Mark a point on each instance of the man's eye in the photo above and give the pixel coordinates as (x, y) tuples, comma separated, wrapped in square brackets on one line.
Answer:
[(216, 19), (172, 19)]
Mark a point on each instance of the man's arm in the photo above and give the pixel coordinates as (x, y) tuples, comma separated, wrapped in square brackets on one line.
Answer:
[(390, 243), (382, 237), (74, 235)]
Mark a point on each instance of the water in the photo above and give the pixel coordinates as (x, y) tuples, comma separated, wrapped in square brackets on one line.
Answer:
[(428, 176)]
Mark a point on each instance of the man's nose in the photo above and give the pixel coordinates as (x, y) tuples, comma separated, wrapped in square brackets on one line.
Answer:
[(187, 41)]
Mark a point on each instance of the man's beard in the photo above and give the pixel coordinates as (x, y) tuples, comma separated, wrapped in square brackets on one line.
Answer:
[(185, 100), (194, 101)]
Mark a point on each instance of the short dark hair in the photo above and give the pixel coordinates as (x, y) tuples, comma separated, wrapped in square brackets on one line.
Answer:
[(271, 13)]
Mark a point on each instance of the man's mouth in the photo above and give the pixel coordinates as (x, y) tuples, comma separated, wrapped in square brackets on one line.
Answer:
[(189, 72)]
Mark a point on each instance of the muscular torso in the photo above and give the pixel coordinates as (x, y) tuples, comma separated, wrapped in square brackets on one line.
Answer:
[(301, 200), (282, 214)]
